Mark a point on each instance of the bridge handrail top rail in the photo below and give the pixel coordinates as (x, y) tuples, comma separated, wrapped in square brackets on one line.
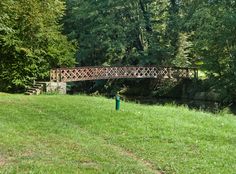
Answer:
[(128, 66)]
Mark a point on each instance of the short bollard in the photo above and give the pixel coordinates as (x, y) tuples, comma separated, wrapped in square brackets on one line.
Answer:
[(117, 103)]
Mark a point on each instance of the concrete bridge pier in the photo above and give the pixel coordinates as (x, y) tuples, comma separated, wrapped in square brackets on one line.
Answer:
[(47, 87), (55, 87)]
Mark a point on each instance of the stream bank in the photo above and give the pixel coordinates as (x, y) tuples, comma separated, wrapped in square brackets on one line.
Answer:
[(195, 94)]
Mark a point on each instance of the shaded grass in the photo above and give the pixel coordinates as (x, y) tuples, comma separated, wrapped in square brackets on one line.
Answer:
[(81, 134)]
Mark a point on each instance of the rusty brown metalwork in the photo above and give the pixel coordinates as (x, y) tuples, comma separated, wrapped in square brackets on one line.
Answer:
[(116, 72)]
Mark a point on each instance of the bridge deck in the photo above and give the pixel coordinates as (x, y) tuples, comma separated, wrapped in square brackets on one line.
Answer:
[(115, 72)]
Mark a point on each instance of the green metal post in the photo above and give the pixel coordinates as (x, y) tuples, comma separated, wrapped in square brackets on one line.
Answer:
[(117, 103)]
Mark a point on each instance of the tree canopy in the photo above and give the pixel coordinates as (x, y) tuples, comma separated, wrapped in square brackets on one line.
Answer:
[(31, 41), (164, 32), (36, 35), (120, 32)]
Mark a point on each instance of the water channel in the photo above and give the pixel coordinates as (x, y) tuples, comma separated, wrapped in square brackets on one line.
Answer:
[(207, 106)]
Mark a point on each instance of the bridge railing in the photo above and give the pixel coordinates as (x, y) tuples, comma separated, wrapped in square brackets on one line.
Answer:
[(116, 72)]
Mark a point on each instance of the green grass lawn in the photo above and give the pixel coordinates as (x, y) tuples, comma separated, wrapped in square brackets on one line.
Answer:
[(81, 134)]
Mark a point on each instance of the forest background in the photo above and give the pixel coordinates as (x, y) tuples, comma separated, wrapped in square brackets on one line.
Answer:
[(37, 35)]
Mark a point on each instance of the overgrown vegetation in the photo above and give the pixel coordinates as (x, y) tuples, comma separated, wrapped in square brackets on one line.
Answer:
[(80, 134)]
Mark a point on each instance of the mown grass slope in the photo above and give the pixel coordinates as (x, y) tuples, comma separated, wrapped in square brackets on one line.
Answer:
[(81, 134)]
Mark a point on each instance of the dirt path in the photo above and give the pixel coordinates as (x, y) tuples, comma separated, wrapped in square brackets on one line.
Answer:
[(141, 161), (124, 152), (2, 161)]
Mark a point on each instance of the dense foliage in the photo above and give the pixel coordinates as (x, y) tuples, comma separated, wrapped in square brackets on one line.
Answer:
[(135, 32), (173, 32), (212, 26), (120, 32), (31, 42)]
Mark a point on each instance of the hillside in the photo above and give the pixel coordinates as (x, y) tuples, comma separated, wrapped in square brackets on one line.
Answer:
[(82, 134)]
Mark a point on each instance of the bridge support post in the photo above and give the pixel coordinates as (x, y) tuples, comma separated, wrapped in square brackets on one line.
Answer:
[(56, 87)]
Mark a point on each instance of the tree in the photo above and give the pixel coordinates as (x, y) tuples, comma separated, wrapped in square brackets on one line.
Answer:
[(212, 25), (119, 32), (31, 41)]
